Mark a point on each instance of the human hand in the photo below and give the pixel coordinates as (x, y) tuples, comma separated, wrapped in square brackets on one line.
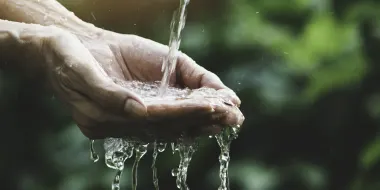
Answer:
[(83, 69)]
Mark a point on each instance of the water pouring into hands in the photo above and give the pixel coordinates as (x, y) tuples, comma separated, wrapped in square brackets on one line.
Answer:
[(103, 107)]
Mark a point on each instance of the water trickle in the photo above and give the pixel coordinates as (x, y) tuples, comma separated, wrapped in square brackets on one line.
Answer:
[(116, 181), (154, 169), (117, 151), (141, 149), (94, 157), (176, 26), (224, 140), (186, 148)]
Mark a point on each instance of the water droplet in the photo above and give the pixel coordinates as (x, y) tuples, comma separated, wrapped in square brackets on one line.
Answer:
[(93, 16), (174, 147), (175, 172), (161, 147)]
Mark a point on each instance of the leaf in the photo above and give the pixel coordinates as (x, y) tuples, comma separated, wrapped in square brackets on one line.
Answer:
[(371, 154)]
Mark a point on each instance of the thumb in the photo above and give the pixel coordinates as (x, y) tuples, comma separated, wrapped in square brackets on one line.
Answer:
[(116, 98), (135, 108)]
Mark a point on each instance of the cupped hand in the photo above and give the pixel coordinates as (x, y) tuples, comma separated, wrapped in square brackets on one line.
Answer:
[(83, 71)]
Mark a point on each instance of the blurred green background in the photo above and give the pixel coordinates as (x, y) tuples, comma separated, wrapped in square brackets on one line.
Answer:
[(307, 72)]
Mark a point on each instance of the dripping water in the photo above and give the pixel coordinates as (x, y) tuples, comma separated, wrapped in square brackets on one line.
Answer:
[(93, 155), (117, 152), (176, 26), (154, 169), (140, 151), (116, 181), (224, 140), (186, 149), (158, 147)]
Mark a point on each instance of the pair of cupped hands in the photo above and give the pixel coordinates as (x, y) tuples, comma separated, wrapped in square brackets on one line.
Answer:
[(82, 70)]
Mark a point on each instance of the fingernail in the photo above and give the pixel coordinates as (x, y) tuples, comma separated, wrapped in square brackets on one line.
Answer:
[(135, 108), (232, 96)]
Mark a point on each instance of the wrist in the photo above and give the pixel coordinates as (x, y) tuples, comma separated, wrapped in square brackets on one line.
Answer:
[(46, 13), (23, 47)]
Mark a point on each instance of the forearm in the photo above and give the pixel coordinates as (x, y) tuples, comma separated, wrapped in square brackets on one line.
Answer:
[(45, 12)]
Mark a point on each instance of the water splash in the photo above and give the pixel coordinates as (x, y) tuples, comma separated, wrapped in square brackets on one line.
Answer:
[(224, 140), (94, 157), (176, 26), (141, 149), (186, 148)]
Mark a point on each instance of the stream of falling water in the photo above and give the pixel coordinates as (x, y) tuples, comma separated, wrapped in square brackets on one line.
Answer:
[(154, 169), (176, 26), (141, 149), (224, 140), (117, 152), (186, 148), (157, 147)]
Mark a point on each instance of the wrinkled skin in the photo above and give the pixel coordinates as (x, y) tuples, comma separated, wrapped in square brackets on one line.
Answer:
[(82, 72)]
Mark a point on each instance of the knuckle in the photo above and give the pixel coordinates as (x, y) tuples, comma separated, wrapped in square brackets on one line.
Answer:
[(62, 76)]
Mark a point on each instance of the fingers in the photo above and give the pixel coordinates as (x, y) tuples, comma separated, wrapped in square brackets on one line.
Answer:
[(195, 76), (177, 108), (230, 95), (79, 70)]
